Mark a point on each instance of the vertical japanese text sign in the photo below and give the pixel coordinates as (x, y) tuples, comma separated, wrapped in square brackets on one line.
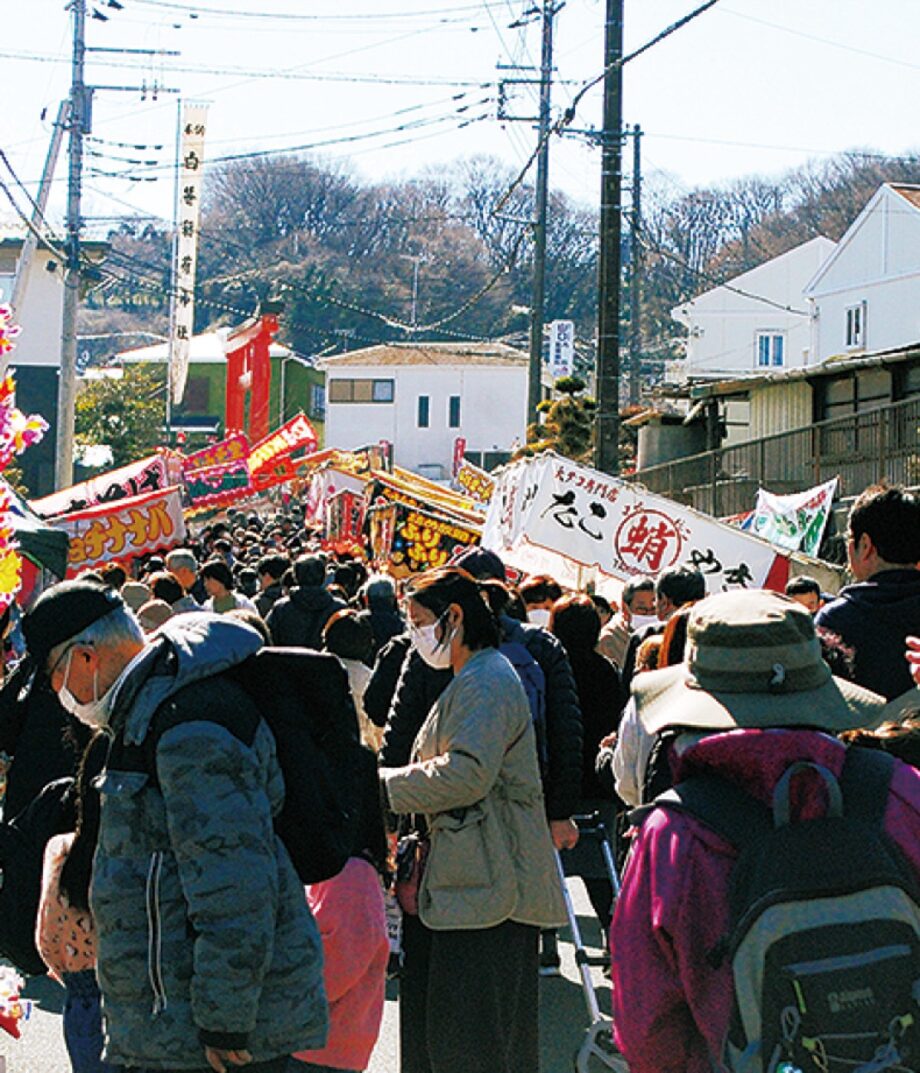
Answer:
[(188, 201), (561, 348)]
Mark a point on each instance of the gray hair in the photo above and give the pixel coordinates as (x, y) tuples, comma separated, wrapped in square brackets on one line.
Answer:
[(119, 627), (181, 559)]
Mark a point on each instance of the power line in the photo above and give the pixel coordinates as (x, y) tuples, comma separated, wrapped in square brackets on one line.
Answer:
[(654, 247), (569, 114), (823, 40), (293, 74), (197, 10)]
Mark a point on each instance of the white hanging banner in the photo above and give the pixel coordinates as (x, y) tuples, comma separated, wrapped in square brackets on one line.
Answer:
[(194, 118), (796, 522), (561, 348), (553, 505)]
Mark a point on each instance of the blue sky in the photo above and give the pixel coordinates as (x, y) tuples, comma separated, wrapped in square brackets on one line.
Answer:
[(750, 87)]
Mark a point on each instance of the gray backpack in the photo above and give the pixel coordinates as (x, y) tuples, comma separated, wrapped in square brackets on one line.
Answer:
[(824, 942)]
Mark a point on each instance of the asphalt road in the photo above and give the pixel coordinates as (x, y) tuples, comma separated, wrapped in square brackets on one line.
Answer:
[(563, 1017)]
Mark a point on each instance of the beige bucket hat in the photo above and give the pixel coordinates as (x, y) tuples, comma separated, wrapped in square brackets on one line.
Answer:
[(752, 660)]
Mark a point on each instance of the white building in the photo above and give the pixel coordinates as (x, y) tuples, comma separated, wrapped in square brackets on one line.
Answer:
[(37, 355), (423, 397), (866, 296), (755, 322)]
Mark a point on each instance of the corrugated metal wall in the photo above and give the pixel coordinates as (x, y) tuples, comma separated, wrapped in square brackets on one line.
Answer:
[(779, 408)]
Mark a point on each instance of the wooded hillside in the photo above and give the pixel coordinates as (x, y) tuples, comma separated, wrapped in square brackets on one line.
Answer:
[(343, 253)]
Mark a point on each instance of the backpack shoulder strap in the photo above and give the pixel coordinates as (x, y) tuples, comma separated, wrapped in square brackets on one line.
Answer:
[(721, 806), (865, 781)]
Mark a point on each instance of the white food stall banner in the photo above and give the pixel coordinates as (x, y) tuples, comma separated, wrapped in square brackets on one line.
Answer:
[(552, 504)]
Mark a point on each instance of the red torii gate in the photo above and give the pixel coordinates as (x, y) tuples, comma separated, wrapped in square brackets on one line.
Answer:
[(249, 372)]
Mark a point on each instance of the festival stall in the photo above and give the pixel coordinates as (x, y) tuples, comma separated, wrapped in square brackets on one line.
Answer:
[(124, 530), (152, 474), (551, 515)]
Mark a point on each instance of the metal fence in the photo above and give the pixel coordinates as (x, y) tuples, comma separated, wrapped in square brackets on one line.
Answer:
[(860, 449)]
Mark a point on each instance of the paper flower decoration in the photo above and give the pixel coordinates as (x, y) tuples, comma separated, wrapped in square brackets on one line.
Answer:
[(8, 330), (17, 432), (13, 1009)]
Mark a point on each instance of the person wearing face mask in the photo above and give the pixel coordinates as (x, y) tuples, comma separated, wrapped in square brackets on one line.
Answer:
[(207, 953), (468, 989), (539, 593), (636, 614)]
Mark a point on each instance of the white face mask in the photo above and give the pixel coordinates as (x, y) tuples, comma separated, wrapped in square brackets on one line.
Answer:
[(94, 713), (639, 622), (539, 616), (434, 652)]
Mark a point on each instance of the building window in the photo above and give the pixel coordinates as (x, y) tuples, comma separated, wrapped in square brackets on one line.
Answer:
[(341, 390), (771, 350), (317, 401), (424, 406), (453, 412), (856, 326)]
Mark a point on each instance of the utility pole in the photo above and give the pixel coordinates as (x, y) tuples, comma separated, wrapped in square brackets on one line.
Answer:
[(608, 312), (30, 243), (538, 290), (635, 272), (79, 115)]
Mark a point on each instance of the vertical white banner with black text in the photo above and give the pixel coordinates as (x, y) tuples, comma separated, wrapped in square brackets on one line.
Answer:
[(193, 125)]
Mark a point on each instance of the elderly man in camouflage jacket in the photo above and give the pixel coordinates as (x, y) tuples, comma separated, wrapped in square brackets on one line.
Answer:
[(207, 953)]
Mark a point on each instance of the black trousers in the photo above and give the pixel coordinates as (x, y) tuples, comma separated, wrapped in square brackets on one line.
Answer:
[(468, 1000)]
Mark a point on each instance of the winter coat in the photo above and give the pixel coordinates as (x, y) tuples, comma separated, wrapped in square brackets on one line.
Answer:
[(614, 641), (874, 617), (45, 742), (268, 597), (204, 936), (384, 678), (476, 778), (420, 686), (386, 623), (186, 604), (564, 733), (670, 1006), (298, 620), (350, 912), (601, 700), (233, 601)]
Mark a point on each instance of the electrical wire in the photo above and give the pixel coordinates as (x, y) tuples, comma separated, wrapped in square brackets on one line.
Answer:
[(569, 115), (196, 9), (26, 219), (649, 243), (292, 74)]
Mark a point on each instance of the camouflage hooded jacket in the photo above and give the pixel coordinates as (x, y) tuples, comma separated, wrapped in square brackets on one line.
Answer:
[(204, 936)]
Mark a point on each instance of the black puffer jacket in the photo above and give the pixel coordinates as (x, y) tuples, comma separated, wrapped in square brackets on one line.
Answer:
[(381, 686), (45, 742), (420, 686), (386, 623), (298, 620)]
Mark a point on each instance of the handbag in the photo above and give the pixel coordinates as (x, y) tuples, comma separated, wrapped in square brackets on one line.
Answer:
[(411, 855)]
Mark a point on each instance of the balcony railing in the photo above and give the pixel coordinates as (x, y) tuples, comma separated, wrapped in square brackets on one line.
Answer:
[(860, 449)]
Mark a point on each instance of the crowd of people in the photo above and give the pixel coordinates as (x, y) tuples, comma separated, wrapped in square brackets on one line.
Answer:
[(719, 737)]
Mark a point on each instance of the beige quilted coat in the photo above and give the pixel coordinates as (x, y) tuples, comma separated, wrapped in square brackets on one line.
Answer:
[(474, 776)]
